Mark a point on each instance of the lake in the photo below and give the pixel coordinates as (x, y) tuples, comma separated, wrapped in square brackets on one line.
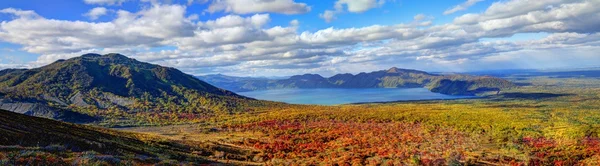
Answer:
[(346, 96)]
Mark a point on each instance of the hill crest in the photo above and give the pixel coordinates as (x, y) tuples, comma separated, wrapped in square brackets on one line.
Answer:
[(391, 78), (110, 81)]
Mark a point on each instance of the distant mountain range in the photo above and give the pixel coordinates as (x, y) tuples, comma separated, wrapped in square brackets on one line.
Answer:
[(454, 84), (111, 81)]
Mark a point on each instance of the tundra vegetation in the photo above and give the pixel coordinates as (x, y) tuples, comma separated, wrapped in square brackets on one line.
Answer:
[(550, 121)]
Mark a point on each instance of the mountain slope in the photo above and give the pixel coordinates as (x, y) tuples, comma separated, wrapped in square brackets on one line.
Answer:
[(92, 83), (236, 84), (21, 136), (113, 73), (391, 78), (469, 85)]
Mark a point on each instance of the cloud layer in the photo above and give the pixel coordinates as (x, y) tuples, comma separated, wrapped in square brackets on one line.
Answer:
[(246, 45), (462, 6), (259, 6)]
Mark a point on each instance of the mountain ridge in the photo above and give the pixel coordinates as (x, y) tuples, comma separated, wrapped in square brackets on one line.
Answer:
[(112, 81), (454, 84)]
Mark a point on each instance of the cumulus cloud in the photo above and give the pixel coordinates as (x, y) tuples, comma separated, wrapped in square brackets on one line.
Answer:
[(258, 6), (95, 13), (105, 2), (248, 44), (461, 7), (354, 6), (358, 6), (149, 27), (328, 15), (20, 13), (579, 16)]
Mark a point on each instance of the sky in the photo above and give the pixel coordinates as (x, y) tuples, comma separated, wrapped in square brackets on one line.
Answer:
[(288, 37)]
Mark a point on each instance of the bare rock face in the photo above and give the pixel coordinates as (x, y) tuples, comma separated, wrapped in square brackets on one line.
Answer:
[(53, 99), (106, 100), (118, 100), (32, 109), (77, 100), (44, 111)]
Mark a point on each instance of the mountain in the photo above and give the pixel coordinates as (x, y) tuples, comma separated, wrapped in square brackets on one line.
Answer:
[(469, 85), (91, 83), (453, 84), (391, 78), (236, 84), (26, 140)]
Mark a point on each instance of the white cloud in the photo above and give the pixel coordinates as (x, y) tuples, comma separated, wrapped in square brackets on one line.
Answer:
[(354, 6), (95, 13), (567, 17), (149, 27), (258, 6), (294, 23), (105, 2), (461, 7), (328, 15), (20, 13), (250, 44), (507, 9), (419, 17), (358, 6)]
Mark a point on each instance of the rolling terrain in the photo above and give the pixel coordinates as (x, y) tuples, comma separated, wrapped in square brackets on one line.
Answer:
[(27, 140), (167, 117), (556, 123)]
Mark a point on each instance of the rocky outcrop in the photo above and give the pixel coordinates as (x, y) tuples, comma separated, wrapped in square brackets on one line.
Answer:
[(38, 109), (78, 100), (106, 100), (32, 109), (118, 100)]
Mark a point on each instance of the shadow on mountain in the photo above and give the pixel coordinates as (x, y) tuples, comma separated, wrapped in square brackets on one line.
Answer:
[(514, 106), (528, 96), (523, 84)]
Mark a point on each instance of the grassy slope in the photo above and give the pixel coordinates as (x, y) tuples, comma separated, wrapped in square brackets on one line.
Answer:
[(71, 143)]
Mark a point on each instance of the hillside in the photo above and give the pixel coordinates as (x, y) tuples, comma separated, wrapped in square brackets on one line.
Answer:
[(391, 78), (92, 83), (26, 140), (236, 84)]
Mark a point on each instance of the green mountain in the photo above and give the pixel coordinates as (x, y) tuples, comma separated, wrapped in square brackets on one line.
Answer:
[(91, 83), (236, 84), (391, 78)]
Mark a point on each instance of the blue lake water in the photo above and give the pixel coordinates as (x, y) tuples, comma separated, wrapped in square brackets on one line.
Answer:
[(346, 96)]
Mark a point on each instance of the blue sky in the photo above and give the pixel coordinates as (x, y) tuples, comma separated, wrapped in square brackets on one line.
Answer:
[(285, 37), (393, 12)]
